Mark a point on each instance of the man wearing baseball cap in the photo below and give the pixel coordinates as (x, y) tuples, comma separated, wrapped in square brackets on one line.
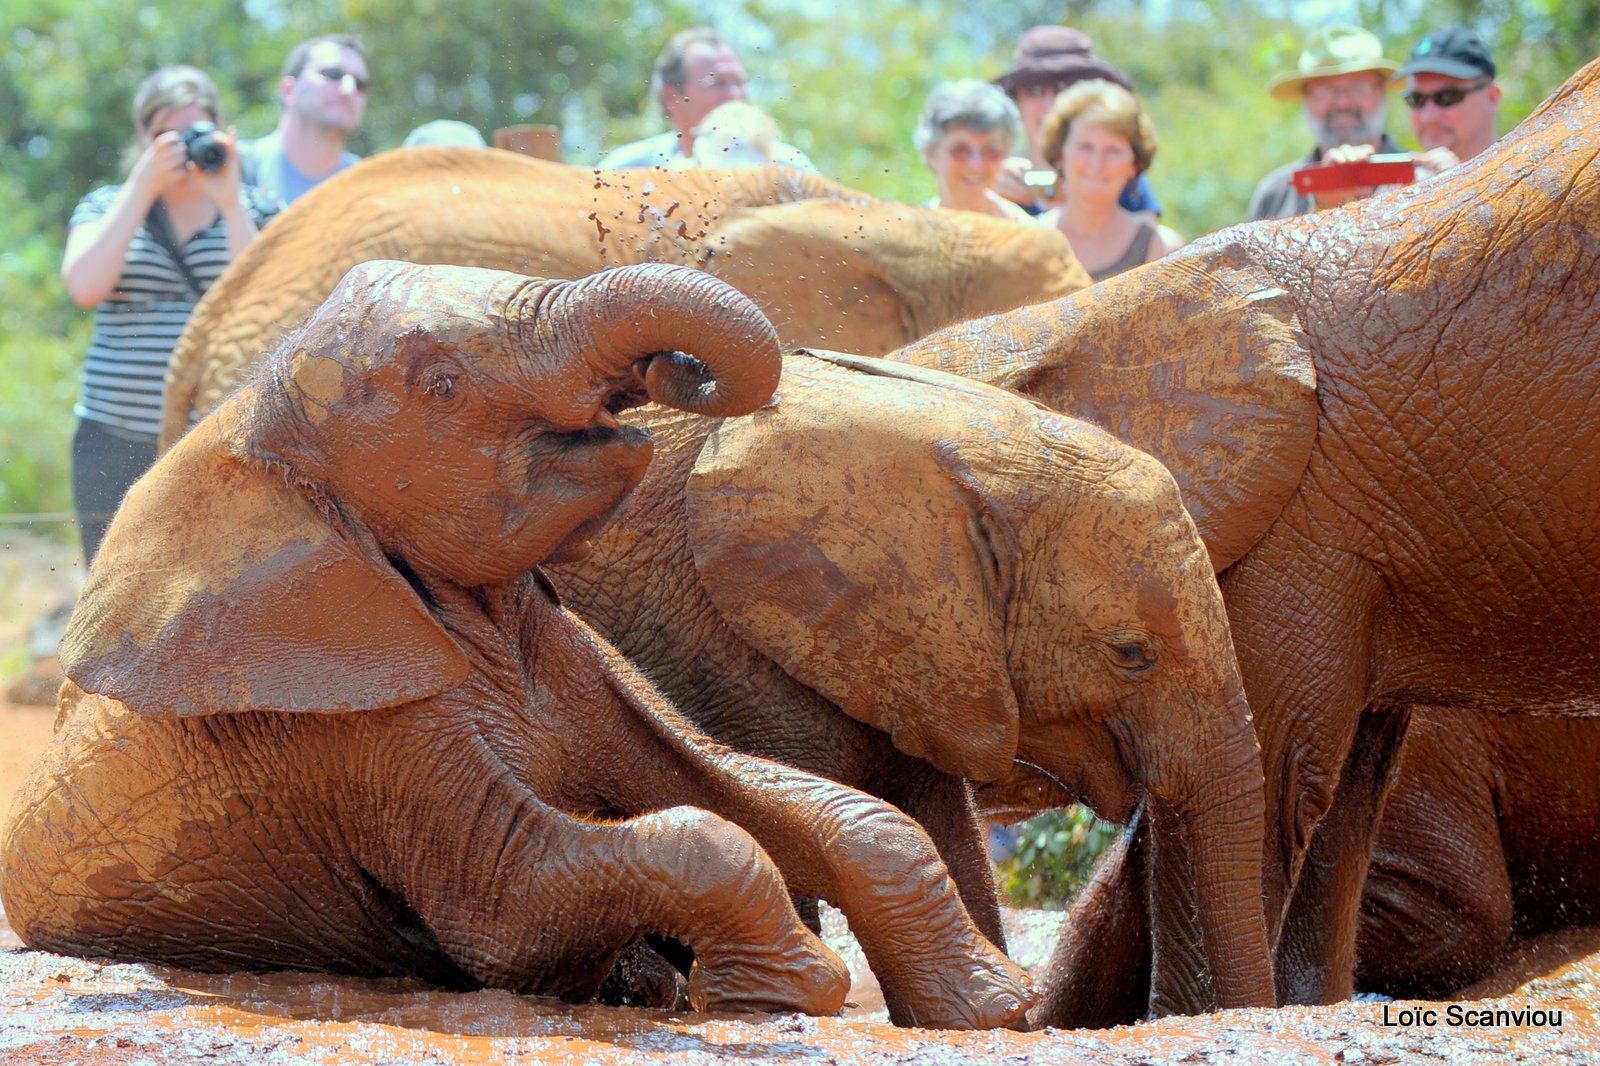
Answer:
[(1340, 79), (1452, 94), (1047, 60)]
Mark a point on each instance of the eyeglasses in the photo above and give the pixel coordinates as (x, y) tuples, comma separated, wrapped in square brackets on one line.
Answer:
[(1326, 91), (1444, 97), (343, 78), (1049, 88)]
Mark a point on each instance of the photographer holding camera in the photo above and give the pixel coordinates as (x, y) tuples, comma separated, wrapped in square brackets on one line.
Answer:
[(142, 254)]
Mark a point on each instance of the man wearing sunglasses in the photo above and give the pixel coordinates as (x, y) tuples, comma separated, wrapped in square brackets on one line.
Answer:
[(324, 95), (1451, 94)]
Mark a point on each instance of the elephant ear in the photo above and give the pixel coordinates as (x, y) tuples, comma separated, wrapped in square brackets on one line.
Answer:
[(1198, 359), (850, 539), (219, 588)]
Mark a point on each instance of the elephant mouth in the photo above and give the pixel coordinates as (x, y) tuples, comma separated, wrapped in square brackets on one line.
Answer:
[(1111, 799), (579, 543)]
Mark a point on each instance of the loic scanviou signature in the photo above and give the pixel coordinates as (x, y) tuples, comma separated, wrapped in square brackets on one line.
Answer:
[(1457, 1015)]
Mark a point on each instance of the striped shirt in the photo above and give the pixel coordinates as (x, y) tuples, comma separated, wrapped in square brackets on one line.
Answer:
[(137, 327)]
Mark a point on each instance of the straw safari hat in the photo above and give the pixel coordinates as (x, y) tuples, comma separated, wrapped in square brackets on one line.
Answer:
[(1329, 52)]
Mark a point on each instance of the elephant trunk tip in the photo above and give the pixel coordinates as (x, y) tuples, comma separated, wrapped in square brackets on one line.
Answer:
[(647, 333)]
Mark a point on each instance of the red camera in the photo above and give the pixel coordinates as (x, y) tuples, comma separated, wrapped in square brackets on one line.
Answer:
[(1393, 169)]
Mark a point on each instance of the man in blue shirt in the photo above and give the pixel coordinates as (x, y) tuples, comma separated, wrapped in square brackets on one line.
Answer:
[(324, 94), (695, 72)]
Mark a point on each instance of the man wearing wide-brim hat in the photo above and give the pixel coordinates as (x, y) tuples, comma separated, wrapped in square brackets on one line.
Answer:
[(1341, 79)]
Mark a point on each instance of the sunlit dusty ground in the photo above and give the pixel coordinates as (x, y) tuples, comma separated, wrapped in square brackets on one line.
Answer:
[(58, 1010)]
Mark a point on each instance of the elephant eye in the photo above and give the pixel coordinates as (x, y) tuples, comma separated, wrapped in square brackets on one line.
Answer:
[(1134, 658), (439, 384)]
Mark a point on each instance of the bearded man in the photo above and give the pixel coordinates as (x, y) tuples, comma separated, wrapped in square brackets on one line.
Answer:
[(1342, 80)]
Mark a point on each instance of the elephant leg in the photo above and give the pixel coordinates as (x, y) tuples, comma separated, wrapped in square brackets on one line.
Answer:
[(644, 977), (855, 851), (1099, 973), (1301, 616), (1437, 909), (549, 901), (943, 805), (1317, 951)]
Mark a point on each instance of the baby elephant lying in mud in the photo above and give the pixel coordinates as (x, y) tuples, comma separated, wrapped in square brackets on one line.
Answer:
[(324, 713)]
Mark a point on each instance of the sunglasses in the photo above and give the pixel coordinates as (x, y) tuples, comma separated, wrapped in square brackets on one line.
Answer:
[(337, 76), (1444, 97)]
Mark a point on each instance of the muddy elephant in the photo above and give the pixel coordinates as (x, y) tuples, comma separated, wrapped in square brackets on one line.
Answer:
[(829, 265), (324, 711), (902, 581), (1488, 834), (1384, 421)]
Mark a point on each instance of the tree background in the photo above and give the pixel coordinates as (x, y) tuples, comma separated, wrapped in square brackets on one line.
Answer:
[(844, 82)]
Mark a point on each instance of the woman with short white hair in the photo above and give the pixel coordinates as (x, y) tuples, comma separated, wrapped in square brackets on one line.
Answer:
[(966, 130)]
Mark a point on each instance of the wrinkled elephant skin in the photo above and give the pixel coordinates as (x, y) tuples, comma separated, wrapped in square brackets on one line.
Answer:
[(901, 580), (1488, 835)]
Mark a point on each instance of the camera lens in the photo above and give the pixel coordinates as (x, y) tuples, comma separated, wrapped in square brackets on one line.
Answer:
[(205, 151)]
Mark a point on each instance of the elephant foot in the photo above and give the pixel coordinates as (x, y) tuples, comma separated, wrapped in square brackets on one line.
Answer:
[(806, 976), (983, 990)]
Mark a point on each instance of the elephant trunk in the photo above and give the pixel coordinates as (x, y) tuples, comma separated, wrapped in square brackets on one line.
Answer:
[(691, 342), (1208, 924)]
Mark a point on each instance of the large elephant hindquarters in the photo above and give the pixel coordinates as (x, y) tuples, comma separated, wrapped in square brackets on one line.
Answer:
[(1428, 537)]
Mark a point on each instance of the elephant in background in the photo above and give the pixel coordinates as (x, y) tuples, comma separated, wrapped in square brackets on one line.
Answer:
[(1385, 420), (324, 712), (1489, 833), (902, 580), (829, 265)]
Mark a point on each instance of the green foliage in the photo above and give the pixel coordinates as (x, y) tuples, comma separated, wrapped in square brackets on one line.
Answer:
[(844, 82), (1056, 853), (42, 337)]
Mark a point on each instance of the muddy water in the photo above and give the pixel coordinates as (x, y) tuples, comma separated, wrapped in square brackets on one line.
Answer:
[(59, 1010)]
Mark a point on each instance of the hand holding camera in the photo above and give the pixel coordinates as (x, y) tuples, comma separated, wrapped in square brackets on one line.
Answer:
[(199, 150), (1352, 172), (204, 149)]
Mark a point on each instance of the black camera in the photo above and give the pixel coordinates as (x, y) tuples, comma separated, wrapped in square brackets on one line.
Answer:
[(205, 151)]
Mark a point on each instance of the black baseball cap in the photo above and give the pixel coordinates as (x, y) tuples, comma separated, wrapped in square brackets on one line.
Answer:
[(1455, 52)]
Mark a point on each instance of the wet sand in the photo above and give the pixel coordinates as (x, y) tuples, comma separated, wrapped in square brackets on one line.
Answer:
[(60, 1010)]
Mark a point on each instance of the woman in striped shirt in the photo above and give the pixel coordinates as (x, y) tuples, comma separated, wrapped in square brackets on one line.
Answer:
[(141, 254)]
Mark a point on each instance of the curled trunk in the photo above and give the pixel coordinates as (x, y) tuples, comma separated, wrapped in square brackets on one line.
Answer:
[(674, 335)]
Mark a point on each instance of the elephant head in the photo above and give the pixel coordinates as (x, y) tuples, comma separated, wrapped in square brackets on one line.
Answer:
[(870, 277), (428, 425), (989, 582)]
